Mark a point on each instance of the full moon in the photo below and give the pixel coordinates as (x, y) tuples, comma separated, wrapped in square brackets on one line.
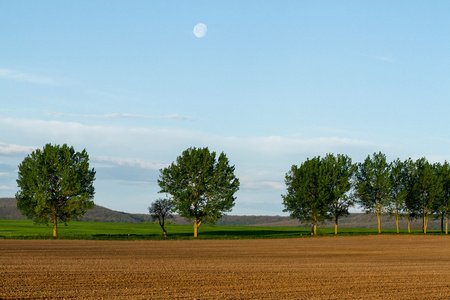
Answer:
[(200, 30)]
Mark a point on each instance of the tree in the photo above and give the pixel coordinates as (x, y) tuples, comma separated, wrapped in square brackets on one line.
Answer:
[(443, 206), (55, 184), (398, 191), (341, 173), (372, 185), (411, 184), (308, 192), (429, 188), (161, 210), (202, 187)]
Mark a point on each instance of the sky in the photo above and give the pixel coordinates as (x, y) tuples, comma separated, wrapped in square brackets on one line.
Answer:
[(270, 84)]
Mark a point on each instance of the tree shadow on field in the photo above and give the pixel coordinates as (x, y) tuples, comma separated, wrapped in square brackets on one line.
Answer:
[(140, 237), (263, 233), (207, 234)]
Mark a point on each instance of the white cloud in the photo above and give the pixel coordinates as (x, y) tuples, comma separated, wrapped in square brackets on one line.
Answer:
[(165, 144), (123, 115), (178, 117), (5, 187), (133, 155), (288, 145), (25, 77), (136, 182), (129, 162), (108, 140), (11, 149), (130, 157), (381, 57), (248, 183), (260, 179)]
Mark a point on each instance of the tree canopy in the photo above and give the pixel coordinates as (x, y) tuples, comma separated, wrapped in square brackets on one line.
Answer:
[(429, 188), (55, 184), (398, 179), (201, 187), (373, 185), (443, 205), (308, 192), (325, 188), (319, 189), (342, 171)]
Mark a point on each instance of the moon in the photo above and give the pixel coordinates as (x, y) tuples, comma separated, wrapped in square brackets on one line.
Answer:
[(200, 30)]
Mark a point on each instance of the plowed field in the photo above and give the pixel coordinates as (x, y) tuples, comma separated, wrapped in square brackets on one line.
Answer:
[(366, 267)]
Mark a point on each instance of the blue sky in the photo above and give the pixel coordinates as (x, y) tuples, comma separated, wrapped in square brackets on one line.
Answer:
[(270, 84)]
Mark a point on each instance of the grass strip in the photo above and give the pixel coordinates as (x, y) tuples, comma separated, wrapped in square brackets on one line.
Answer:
[(26, 229)]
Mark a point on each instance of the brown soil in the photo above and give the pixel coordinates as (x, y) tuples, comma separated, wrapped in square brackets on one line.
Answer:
[(384, 267)]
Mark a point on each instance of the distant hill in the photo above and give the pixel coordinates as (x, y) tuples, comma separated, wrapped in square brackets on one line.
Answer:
[(8, 210)]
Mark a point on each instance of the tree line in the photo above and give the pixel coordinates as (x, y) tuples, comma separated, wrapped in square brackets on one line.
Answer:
[(325, 188), (56, 185)]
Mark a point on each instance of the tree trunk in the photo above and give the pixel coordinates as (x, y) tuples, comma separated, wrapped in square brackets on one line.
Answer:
[(379, 221), (425, 223), (163, 229), (196, 225), (446, 223), (409, 222), (161, 223), (314, 226), (396, 221), (336, 226), (55, 226), (424, 229)]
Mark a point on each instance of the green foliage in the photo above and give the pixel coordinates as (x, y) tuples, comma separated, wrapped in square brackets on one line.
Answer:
[(342, 172), (319, 189), (429, 188), (55, 184), (430, 183), (398, 180), (308, 192), (410, 185), (202, 187), (372, 183), (442, 206)]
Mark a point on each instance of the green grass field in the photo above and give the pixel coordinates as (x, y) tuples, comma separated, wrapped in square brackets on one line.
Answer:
[(18, 229)]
